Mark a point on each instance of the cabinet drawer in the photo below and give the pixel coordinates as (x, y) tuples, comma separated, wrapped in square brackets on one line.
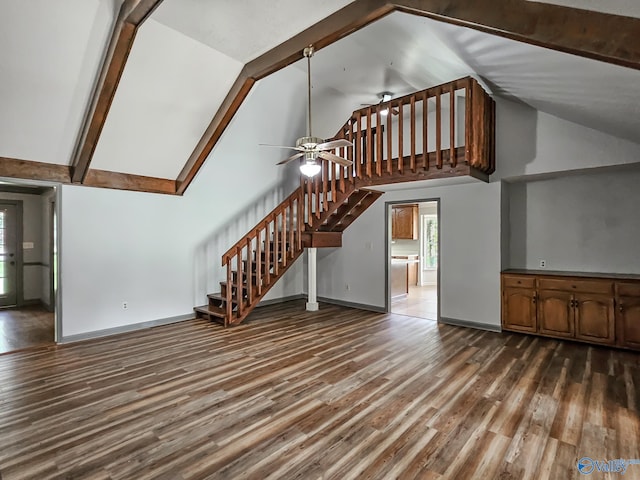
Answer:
[(522, 281), (628, 289), (575, 285)]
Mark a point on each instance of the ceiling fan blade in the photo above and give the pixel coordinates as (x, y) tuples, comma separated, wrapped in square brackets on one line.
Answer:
[(291, 158), (334, 144), (335, 159), (282, 146)]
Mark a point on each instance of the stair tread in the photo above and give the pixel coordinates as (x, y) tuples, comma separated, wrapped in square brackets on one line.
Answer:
[(210, 310), (218, 296)]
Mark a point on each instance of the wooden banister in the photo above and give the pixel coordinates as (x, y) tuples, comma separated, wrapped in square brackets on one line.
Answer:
[(369, 149)]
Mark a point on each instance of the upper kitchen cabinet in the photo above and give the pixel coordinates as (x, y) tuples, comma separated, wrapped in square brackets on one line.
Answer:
[(404, 222)]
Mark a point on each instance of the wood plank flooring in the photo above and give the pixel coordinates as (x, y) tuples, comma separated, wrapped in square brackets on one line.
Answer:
[(25, 327), (334, 394)]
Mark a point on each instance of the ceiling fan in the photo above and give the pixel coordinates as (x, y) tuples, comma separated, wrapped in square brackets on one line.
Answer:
[(384, 98), (310, 147)]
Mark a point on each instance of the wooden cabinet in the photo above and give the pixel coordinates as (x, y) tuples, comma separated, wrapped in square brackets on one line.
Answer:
[(399, 277), (628, 315), (573, 307), (555, 310), (594, 318), (404, 222), (519, 309), (412, 272)]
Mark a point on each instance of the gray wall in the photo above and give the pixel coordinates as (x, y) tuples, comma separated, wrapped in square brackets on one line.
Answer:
[(470, 253), (583, 222)]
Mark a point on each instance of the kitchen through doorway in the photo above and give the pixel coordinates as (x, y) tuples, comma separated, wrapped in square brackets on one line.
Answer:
[(413, 259)]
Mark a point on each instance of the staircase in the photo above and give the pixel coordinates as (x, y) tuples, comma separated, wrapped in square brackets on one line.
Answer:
[(262, 257), (317, 212)]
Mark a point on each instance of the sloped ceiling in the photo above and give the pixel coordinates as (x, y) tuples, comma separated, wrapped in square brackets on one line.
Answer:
[(403, 53), (188, 54)]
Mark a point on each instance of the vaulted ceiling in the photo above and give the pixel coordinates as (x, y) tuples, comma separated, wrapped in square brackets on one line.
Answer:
[(135, 94)]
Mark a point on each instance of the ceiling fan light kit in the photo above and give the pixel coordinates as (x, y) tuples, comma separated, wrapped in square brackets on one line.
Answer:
[(311, 147), (310, 169)]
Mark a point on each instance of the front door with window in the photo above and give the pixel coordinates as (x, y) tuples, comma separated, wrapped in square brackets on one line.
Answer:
[(8, 255)]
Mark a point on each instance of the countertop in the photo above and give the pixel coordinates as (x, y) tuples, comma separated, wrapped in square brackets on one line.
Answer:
[(404, 258), (556, 273)]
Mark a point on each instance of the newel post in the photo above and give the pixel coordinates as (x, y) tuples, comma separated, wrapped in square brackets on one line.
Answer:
[(312, 301)]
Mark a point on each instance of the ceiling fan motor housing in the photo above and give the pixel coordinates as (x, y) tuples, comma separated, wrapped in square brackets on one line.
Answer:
[(308, 142)]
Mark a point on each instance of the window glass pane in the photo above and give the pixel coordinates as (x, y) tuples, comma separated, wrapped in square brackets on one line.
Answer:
[(2, 269), (430, 229), (3, 286)]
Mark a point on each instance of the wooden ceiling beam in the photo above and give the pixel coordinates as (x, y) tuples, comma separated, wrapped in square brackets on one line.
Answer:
[(26, 169), (601, 36), (125, 181), (586, 33), (132, 14)]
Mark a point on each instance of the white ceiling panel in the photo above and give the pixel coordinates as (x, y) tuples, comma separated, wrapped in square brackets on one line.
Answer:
[(49, 60), (244, 29), (168, 94)]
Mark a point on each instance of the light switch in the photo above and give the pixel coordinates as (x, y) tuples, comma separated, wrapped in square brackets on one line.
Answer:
[(27, 245)]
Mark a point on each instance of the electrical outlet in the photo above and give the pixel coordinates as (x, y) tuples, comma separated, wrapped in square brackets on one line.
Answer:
[(125, 305), (543, 264)]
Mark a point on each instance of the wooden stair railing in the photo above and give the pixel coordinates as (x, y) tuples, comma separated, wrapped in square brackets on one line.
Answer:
[(385, 150), (258, 260)]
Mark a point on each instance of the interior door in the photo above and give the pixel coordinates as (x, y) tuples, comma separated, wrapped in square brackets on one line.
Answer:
[(8, 255)]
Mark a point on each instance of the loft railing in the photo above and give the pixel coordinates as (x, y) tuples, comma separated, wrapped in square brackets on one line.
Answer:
[(445, 130)]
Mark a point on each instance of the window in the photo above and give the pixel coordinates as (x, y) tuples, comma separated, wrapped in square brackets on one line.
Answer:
[(430, 241)]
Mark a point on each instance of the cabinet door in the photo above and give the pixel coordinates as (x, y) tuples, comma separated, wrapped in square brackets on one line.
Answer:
[(628, 322), (594, 318), (555, 313), (413, 273), (394, 226), (406, 222), (519, 309)]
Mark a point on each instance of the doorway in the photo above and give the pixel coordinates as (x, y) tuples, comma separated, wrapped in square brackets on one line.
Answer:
[(413, 258), (28, 265)]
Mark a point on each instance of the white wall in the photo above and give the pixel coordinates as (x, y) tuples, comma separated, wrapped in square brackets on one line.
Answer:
[(470, 253), (161, 254), (587, 222)]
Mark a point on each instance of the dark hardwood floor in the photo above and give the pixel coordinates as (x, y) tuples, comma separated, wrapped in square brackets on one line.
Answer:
[(25, 327), (334, 394)]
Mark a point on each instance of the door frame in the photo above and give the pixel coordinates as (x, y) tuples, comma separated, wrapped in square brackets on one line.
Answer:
[(19, 263), (57, 202), (387, 261)]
